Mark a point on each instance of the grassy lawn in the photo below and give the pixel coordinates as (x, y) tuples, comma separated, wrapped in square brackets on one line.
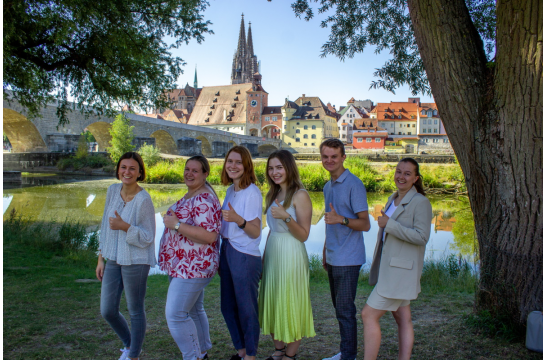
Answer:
[(51, 311)]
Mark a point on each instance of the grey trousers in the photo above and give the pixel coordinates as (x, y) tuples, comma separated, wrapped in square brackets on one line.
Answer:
[(133, 279), (186, 318)]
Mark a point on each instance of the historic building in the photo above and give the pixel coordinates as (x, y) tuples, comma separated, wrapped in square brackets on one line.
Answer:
[(235, 108), (348, 115), (431, 132), (245, 63), (306, 122)]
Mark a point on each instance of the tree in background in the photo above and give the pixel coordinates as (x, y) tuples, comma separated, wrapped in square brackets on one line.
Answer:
[(105, 54), (122, 136), (491, 105), (89, 137)]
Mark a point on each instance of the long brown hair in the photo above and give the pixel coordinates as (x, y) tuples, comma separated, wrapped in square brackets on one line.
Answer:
[(419, 184), (248, 177), (292, 178), (205, 168)]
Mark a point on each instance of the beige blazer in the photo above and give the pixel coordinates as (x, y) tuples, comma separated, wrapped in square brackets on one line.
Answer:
[(397, 263)]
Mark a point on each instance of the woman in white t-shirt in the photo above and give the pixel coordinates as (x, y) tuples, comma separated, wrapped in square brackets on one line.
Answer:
[(240, 258)]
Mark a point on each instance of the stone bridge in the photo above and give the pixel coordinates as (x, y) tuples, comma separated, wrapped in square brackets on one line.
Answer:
[(42, 135)]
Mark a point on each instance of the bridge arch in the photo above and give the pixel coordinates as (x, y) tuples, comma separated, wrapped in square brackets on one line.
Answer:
[(22, 133), (267, 130), (266, 149), (254, 132), (101, 132), (232, 143), (165, 142), (206, 148)]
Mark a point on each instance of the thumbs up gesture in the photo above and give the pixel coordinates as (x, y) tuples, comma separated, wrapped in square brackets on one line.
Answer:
[(231, 215), (332, 218), (117, 223), (382, 219), (170, 220), (278, 211)]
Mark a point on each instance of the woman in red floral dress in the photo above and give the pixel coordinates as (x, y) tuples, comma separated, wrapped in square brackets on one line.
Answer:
[(189, 254)]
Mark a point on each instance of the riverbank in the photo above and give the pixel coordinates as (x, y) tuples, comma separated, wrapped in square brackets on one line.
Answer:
[(51, 308)]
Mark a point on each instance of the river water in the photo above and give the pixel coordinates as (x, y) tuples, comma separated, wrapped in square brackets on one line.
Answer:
[(56, 198)]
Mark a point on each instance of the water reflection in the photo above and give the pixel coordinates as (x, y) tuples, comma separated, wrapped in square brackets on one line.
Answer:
[(452, 222)]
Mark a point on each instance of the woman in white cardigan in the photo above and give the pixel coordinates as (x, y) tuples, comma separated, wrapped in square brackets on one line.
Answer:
[(404, 230), (127, 242)]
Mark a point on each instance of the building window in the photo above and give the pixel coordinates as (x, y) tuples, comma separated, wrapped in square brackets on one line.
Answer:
[(285, 118), (297, 140), (274, 118), (399, 116), (435, 122), (313, 144), (297, 123), (377, 140), (285, 127), (289, 144), (297, 131), (427, 140), (409, 133), (344, 136), (445, 140), (305, 136), (399, 133), (368, 140), (313, 136), (434, 112), (391, 125), (267, 118), (313, 127), (305, 127), (423, 131), (435, 131), (305, 144), (423, 112), (360, 139)]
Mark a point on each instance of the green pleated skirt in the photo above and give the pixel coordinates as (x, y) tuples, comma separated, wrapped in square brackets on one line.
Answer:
[(284, 293)]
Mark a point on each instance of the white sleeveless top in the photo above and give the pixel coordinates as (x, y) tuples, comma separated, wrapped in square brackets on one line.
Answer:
[(278, 225)]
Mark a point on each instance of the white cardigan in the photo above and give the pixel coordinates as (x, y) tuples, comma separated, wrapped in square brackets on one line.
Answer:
[(137, 245)]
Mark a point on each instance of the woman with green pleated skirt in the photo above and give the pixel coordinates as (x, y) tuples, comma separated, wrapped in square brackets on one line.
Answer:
[(285, 311)]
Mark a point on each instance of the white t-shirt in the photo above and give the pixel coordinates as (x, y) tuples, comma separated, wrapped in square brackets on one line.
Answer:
[(391, 209), (248, 203)]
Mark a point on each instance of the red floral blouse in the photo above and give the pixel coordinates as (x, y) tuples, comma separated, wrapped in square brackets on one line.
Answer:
[(182, 258)]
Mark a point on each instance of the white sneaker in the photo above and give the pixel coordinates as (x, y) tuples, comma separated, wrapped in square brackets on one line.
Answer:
[(125, 354), (334, 357)]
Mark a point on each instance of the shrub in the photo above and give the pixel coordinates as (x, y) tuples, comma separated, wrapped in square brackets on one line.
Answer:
[(82, 150), (150, 154)]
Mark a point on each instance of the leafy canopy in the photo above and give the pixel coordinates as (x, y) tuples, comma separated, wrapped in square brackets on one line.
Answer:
[(122, 136), (105, 54), (386, 25)]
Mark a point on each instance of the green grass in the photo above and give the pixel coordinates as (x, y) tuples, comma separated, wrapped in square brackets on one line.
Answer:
[(88, 161), (52, 311), (314, 176)]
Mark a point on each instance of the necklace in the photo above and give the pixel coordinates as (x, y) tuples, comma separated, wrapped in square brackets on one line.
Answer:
[(128, 197), (189, 195)]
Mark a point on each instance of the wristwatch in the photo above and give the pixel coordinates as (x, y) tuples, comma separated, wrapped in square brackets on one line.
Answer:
[(287, 220), (345, 221), (243, 225), (177, 226)]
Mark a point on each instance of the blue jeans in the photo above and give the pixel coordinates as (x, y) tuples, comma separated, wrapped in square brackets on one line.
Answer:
[(343, 283), (186, 318), (240, 275), (133, 279)]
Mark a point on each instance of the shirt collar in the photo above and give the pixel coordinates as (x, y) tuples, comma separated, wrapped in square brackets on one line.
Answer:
[(343, 176)]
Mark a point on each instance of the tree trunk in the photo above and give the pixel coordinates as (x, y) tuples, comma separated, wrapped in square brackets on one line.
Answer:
[(493, 114)]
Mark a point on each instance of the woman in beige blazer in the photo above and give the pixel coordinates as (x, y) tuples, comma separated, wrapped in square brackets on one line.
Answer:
[(399, 256)]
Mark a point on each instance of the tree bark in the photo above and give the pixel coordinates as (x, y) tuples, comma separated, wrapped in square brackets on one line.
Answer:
[(493, 113)]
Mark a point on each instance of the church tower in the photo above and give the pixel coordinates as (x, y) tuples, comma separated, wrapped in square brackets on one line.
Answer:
[(245, 63)]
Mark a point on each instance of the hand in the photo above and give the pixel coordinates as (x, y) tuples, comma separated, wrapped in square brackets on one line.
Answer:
[(100, 268), (332, 218), (383, 219), (170, 220), (278, 212), (117, 223), (231, 215)]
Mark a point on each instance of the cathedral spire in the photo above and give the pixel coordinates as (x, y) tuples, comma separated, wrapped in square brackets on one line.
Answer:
[(195, 83), (250, 42), (241, 50)]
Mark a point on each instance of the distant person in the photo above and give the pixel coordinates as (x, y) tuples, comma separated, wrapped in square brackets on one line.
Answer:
[(346, 218), (189, 254), (127, 242), (284, 295), (240, 258), (404, 230)]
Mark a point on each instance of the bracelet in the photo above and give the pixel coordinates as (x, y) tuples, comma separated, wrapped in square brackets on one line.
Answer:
[(243, 225)]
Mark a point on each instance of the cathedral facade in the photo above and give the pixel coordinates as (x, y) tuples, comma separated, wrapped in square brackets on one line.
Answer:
[(245, 63)]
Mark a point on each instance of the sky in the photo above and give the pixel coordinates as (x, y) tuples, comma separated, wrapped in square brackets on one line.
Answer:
[(289, 50)]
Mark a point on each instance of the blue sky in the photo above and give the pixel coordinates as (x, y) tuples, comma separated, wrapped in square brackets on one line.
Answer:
[(289, 50)]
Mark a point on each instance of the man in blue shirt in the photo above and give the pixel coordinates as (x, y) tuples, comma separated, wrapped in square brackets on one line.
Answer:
[(346, 218)]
